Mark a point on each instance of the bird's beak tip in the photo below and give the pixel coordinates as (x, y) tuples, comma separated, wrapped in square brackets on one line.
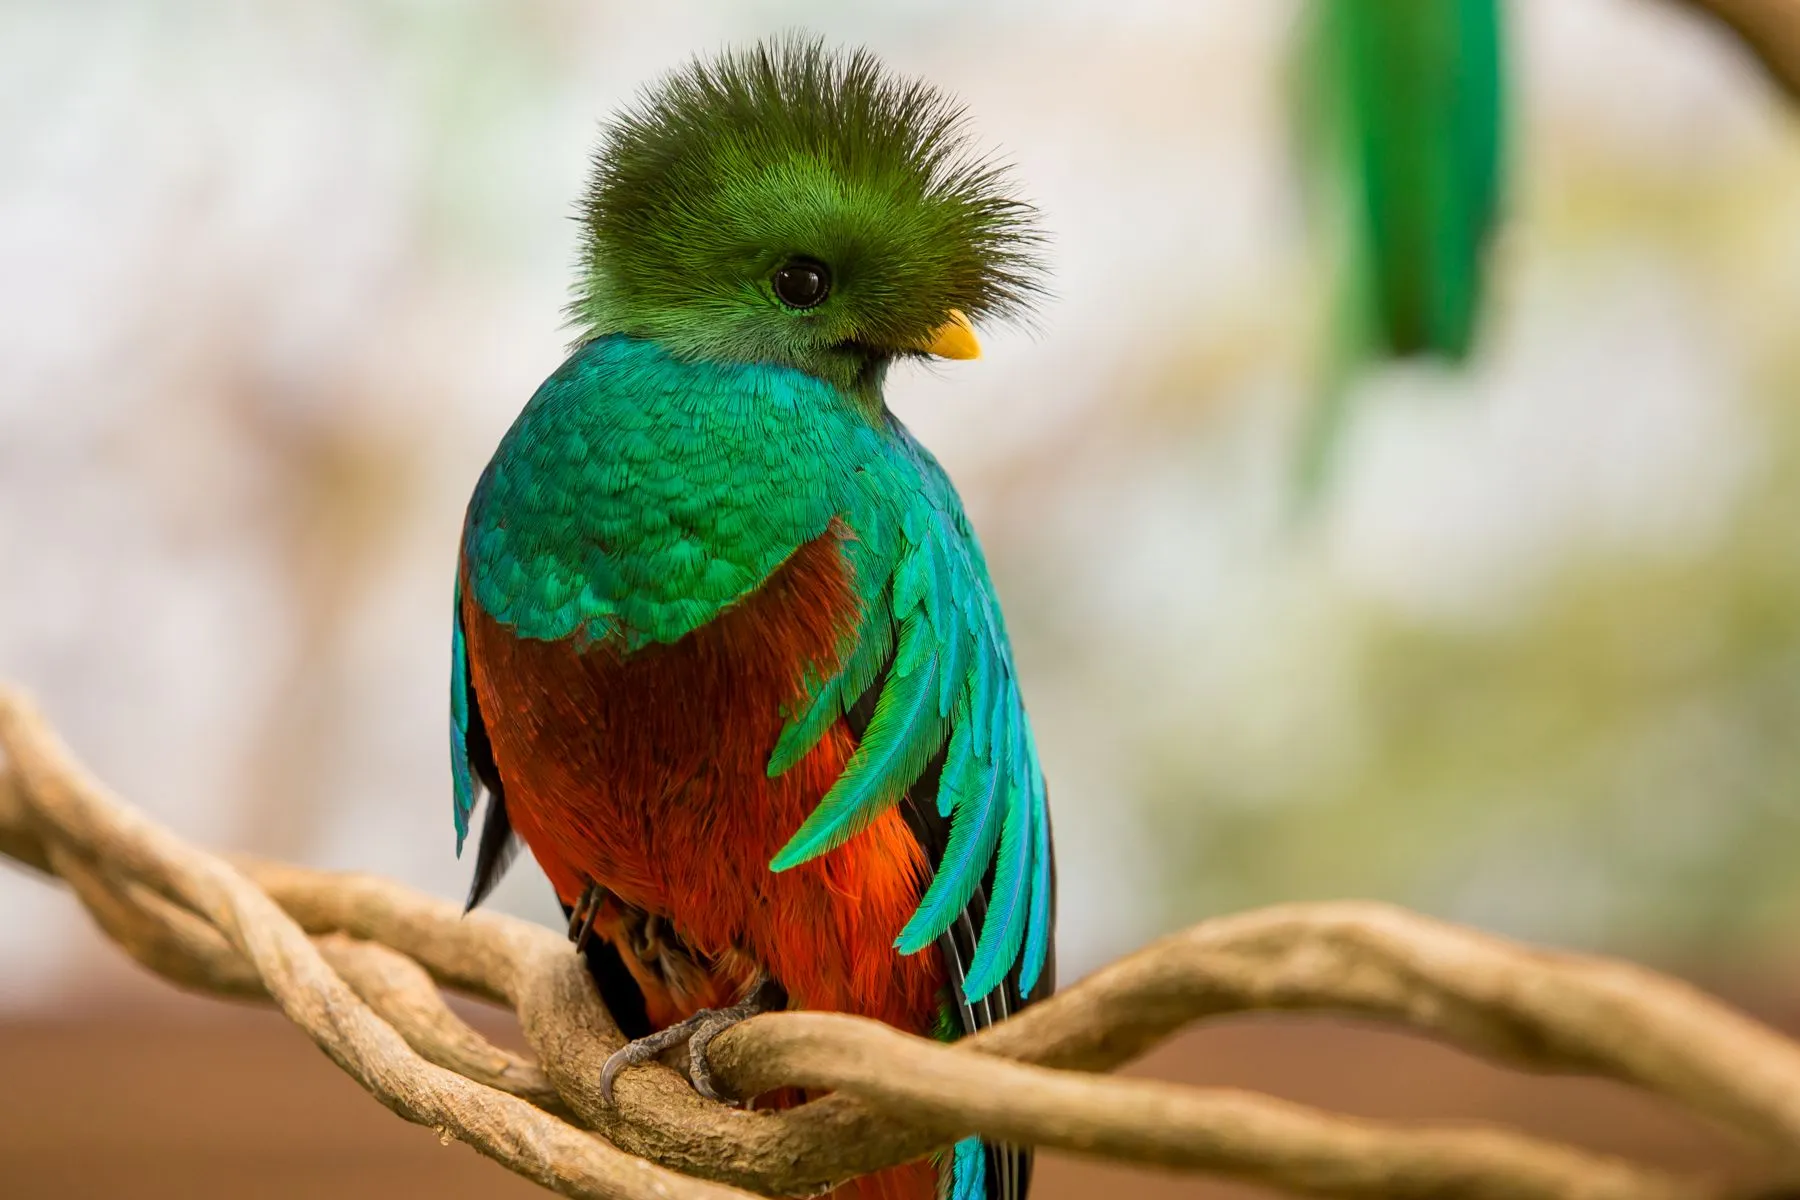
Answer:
[(955, 338)]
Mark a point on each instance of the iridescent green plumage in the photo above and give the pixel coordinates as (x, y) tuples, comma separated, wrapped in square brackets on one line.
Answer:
[(726, 167)]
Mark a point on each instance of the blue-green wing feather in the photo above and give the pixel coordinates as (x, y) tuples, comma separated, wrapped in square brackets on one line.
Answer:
[(969, 1171), (905, 732), (1043, 891), (472, 772), (1009, 901), (951, 676), (971, 794), (808, 725), (462, 706)]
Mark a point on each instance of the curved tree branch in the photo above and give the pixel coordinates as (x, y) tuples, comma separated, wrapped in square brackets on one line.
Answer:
[(1768, 29), (524, 1138), (359, 986)]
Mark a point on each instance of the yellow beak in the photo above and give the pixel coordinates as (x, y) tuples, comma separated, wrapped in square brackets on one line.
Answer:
[(955, 338)]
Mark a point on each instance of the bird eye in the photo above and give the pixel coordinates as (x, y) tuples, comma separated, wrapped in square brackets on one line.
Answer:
[(802, 283)]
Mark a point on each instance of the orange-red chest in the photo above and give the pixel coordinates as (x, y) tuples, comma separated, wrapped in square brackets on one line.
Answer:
[(646, 774)]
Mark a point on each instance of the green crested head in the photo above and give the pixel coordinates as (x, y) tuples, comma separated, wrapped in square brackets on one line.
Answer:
[(793, 205)]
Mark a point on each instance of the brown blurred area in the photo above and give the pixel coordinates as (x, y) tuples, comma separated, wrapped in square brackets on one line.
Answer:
[(204, 1100)]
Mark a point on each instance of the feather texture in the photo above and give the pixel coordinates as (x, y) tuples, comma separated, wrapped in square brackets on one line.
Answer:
[(462, 774), (950, 636)]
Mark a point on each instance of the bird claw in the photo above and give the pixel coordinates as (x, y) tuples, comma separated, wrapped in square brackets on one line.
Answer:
[(585, 912), (698, 1032)]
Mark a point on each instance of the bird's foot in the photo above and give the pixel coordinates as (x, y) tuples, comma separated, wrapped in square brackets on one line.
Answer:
[(697, 1032), (585, 912)]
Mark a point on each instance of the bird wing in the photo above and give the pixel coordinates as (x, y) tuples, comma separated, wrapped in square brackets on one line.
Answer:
[(930, 693), (933, 645), (472, 772)]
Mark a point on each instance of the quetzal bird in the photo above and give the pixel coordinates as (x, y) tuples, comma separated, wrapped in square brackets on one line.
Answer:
[(727, 656)]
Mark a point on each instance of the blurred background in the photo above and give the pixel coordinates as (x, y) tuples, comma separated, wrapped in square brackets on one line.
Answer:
[(1511, 637)]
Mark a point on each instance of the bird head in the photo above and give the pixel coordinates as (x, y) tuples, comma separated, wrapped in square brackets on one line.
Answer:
[(788, 204)]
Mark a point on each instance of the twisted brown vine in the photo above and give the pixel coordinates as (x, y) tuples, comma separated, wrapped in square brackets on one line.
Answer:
[(357, 963)]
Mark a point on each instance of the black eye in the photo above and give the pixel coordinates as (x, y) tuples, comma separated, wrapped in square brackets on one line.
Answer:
[(802, 283)]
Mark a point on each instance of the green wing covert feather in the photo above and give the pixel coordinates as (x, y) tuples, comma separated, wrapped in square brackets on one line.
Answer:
[(949, 686), (646, 494)]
